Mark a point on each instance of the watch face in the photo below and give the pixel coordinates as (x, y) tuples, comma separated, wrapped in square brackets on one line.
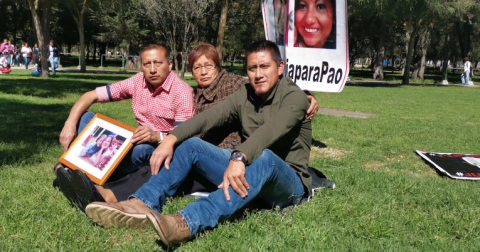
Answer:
[(237, 156)]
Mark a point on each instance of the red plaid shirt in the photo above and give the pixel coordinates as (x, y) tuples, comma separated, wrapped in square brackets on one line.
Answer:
[(161, 109)]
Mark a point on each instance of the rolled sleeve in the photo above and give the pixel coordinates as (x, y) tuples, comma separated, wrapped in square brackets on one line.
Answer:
[(104, 94)]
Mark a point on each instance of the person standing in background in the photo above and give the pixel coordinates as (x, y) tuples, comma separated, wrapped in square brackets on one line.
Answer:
[(6, 47), (36, 54), (3, 46), (18, 54), (9, 47), (53, 55), (26, 54), (465, 77)]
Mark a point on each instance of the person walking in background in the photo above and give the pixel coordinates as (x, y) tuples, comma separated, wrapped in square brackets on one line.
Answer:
[(465, 77), (53, 55), (6, 47), (18, 55), (9, 48), (26, 51), (36, 54), (3, 46)]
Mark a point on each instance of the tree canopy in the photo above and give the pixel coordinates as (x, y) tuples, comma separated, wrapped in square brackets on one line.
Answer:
[(412, 32)]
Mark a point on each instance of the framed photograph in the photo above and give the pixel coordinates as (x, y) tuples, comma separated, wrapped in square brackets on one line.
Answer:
[(99, 148)]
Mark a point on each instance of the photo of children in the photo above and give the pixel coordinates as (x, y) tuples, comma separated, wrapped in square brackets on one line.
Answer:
[(100, 146), (315, 24)]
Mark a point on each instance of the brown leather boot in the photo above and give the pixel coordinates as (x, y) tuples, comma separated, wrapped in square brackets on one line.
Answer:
[(130, 213), (172, 229)]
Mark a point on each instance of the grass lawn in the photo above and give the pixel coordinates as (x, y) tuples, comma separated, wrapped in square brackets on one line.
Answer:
[(386, 199), (432, 76)]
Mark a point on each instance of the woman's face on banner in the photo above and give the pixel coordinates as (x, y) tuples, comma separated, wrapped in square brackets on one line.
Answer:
[(313, 21)]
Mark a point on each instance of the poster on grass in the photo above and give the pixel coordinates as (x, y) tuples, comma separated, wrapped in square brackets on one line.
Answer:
[(312, 37), (454, 165)]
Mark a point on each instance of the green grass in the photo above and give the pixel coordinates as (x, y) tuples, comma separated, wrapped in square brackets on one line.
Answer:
[(386, 199), (431, 76)]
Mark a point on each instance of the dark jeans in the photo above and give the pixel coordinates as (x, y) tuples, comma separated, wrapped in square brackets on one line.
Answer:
[(269, 177), (124, 187)]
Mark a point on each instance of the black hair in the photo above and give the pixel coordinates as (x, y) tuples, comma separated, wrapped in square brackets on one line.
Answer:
[(155, 45), (265, 45), (54, 42)]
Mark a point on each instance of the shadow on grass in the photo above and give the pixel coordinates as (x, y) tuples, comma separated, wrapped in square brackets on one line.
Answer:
[(45, 88), (318, 144), (55, 87), (28, 129), (113, 77)]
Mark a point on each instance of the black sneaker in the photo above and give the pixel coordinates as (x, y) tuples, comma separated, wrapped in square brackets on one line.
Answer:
[(85, 189)]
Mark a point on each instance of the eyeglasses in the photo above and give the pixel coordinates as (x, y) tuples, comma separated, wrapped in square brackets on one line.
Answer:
[(208, 67)]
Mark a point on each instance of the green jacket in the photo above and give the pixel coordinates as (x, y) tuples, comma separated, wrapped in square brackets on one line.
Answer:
[(277, 124)]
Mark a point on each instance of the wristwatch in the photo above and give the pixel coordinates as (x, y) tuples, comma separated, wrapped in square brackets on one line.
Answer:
[(238, 156)]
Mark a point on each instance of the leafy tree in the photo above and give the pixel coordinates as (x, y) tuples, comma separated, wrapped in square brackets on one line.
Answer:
[(78, 8), (121, 22), (177, 21)]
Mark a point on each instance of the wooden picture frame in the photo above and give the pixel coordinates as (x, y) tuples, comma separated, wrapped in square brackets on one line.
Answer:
[(99, 148)]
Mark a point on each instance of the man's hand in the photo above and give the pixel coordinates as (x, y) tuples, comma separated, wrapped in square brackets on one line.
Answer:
[(144, 134), (312, 110), (235, 176), (69, 132), (163, 153)]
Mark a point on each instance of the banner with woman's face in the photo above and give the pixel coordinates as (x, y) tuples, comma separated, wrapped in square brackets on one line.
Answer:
[(312, 37)]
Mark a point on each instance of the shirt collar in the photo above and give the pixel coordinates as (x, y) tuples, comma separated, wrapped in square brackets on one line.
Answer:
[(211, 91), (167, 84)]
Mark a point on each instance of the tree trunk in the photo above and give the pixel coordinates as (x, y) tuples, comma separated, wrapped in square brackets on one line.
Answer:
[(46, 13), (88, 51), (424, 41), (221, 27), (81, 33), (184, 58), (378, 68), (94, 51), (406, 74), (34, 7), (464, 31)]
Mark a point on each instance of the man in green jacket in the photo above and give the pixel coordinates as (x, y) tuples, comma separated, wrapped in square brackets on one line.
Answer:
[(270, 166)]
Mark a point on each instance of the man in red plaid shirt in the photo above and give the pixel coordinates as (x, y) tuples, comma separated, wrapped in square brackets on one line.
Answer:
[(160, 101)]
